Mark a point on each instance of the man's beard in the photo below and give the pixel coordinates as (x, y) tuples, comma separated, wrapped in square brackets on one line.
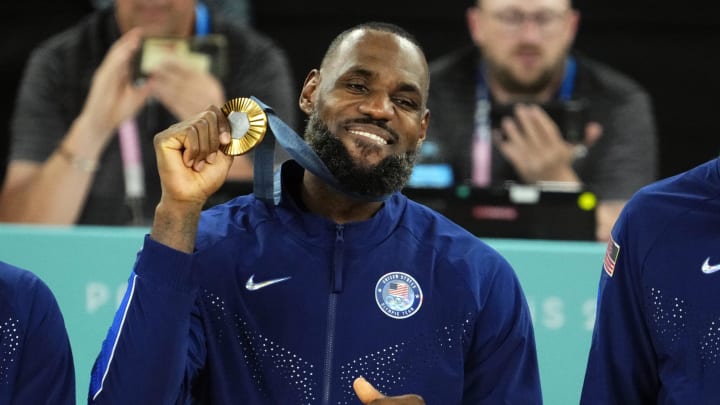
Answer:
[(388, 176), (507, 79)]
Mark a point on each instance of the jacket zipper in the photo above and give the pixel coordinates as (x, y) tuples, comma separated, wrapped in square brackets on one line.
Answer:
[(337, 286)]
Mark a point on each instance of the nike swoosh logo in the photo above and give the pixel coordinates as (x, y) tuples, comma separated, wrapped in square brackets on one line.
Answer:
[(251, 285), (709, 269)]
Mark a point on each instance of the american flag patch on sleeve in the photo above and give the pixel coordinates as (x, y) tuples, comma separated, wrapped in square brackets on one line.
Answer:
[(611, 255)]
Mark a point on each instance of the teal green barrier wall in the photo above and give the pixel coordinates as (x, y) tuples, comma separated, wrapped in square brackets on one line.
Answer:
[(87, 269)]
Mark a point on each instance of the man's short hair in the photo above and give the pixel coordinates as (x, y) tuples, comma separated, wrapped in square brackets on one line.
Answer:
[(374, 26), (478, 3)]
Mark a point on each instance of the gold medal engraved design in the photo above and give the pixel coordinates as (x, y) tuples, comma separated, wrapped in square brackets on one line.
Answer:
[(248, 124)]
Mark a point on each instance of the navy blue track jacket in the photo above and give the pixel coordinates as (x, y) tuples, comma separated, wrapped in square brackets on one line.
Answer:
[(657, 331), (36, 362), (281, 306)]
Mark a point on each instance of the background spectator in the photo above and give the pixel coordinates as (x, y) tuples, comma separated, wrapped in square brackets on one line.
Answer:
[(522, 59), (67, 164)]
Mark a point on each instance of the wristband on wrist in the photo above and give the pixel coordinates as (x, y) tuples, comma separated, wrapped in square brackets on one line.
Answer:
[(84, 165)]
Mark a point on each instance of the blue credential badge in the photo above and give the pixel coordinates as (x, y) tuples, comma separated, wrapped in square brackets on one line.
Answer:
[(398, 295)]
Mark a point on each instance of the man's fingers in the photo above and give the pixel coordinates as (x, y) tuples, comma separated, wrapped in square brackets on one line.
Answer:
[(122, 51), (539, 128), (369, 395), (197, 140), (190, 143), (365, 391), (593, 132), (214, 140), (513, 132), (223, 125), (204, 137)]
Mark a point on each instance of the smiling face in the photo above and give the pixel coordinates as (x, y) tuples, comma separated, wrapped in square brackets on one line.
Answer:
[(367, 108)]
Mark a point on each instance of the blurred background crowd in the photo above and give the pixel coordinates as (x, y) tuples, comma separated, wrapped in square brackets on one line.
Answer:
[(666, 48)]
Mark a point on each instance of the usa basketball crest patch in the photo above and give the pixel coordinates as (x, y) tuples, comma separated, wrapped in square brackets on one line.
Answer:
[(398, 295)]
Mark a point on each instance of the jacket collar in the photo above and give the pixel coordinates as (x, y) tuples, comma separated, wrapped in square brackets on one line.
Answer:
[(322, 231)]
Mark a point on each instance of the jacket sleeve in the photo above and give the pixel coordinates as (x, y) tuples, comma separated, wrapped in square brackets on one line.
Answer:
[(621, 365), (155, 349), (502, 366), (46, 372)]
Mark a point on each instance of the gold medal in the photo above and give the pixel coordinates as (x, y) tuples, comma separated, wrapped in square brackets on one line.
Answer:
[(248, 124)]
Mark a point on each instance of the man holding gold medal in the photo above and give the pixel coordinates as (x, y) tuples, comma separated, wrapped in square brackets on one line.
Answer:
[(326, 285)]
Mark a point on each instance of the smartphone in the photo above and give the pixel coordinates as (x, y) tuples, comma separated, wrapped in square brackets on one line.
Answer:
[(207, 53), (571, 116)]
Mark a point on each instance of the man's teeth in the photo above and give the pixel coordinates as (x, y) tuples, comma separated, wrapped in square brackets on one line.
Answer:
[(368, 135)]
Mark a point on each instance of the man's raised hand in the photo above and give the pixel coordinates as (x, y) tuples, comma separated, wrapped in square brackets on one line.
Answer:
[(190, 164)]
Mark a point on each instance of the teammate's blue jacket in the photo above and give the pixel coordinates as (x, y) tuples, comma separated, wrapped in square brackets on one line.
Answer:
[(36, 362), (281, 306), (657, 332)]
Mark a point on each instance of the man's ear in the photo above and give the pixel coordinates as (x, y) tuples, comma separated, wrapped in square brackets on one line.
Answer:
[(474, 23), (307, 95), (423, 127), (574, 22)]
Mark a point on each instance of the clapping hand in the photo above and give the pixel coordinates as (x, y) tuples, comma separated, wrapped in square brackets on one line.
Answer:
[(532, 142)]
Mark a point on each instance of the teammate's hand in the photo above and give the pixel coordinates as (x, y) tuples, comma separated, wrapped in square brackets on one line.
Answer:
[(369, 395), (191, 166)]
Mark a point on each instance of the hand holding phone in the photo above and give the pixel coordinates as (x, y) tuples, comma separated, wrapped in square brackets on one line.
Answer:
[(533, 144), (571, 117), (206, 53)]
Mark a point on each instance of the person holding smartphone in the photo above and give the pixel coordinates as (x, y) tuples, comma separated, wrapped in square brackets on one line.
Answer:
[(521, 63), (81, 149)]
